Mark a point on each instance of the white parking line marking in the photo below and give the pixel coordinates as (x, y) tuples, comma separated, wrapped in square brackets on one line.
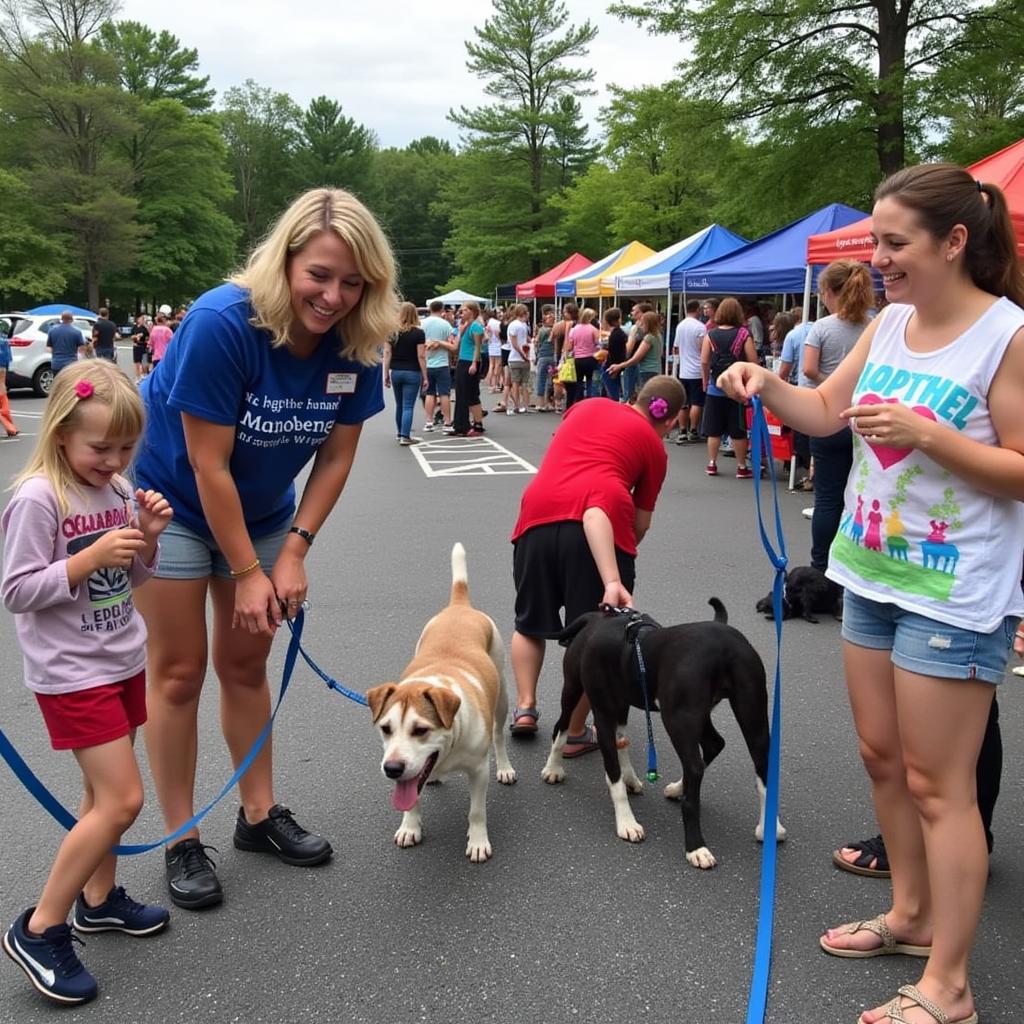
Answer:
[(461, 456)]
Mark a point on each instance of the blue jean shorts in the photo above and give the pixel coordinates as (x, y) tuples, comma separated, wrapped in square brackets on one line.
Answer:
[(927, 647), (186, 555), (439, 381)]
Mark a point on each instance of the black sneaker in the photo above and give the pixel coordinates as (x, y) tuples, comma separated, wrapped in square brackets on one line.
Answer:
[(119, 913), (50, 961), (280, 834), (190, 876)]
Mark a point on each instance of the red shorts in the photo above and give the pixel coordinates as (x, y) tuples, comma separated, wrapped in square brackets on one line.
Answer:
[(87, 718)]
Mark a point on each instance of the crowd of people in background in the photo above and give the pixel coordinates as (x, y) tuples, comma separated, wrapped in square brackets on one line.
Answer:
[(572, 353)]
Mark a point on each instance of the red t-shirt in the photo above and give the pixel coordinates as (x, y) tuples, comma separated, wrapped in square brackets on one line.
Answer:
[(604, 455)]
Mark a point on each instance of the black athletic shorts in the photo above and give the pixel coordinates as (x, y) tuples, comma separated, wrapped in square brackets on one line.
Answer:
[(694, 387), (553, 569), (723, 416)]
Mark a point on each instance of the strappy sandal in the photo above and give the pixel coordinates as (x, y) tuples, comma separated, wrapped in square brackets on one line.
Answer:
[(889, 946), (868, 851), (583, 744), (524, 721), (894, 1011)]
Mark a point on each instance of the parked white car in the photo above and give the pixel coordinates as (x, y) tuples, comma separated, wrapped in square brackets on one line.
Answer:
[(30, 358)]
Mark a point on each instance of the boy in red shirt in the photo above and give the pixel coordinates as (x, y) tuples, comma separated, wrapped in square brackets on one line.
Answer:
[(580, 520)]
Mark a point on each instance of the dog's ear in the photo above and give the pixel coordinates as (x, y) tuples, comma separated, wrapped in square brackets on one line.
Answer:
[(445, 703), (378, 697)]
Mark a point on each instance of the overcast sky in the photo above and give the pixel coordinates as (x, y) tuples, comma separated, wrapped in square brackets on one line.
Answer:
[(396, 66)]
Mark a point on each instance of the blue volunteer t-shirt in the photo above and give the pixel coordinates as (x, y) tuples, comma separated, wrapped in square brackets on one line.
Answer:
[(467, 344), (223, 370)]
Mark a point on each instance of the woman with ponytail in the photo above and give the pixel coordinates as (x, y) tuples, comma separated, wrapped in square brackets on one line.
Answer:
[(848, 294), (929, 552)]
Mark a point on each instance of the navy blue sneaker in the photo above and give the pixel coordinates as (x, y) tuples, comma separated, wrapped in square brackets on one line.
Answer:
[(119, 913), (50, 961)]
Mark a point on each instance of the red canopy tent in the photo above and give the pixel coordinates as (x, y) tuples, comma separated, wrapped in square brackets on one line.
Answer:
[(543, 287), (1005, 169)]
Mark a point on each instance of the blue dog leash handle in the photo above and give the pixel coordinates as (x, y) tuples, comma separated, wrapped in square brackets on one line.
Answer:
[(758, 1000)]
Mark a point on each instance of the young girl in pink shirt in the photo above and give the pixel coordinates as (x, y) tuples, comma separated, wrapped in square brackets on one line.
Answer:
[(77, 541)]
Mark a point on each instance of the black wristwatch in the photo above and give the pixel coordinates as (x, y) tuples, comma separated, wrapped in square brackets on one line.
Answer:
[(304, 534)]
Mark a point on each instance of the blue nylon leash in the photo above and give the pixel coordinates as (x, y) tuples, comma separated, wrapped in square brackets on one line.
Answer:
[(635, 626), (65, 818), (332, 683), (652, 754), (761, 443)]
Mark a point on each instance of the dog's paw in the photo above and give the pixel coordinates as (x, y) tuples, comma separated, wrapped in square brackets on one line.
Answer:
[(478, 849), (631, 831), (552, 776), (702, 858), (674, 790), (780, 832), (408, 837), (506, 776)]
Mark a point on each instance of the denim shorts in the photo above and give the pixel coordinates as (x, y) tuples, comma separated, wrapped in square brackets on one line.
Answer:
[(927, 647), (439, 381), (186, 555)]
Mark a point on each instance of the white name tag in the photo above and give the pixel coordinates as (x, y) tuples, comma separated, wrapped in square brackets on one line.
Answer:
[(341, 383)]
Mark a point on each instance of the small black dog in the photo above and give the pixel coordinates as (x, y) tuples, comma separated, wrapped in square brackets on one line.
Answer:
[(689, 668), (808, 590)]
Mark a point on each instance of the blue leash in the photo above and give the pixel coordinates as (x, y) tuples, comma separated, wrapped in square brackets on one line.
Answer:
[(65, 818), (635, 626), (761, 442)]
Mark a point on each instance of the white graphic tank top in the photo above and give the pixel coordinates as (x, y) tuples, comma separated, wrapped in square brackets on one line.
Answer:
[(912, 533)]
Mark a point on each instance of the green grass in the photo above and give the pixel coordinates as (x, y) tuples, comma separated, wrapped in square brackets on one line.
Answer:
[(911, 577)]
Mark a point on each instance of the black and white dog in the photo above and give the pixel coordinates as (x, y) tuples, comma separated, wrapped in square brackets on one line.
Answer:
[(808, 591), (689, 668)]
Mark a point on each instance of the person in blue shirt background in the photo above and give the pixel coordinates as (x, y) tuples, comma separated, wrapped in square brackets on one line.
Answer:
[(273, 368), (66, 342)]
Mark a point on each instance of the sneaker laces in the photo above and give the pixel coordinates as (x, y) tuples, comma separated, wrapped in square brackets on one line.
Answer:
[(195, 861), (62, 949), (285, 822), (121, 902)]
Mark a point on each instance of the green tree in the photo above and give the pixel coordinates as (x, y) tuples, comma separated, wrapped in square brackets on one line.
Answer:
[(408, 185), (859, 63), (31, 260), (333, 150), (260, 128), (61, 91), (153, 66), (531, 57), (976, 96), (183, 190), (177, 161)]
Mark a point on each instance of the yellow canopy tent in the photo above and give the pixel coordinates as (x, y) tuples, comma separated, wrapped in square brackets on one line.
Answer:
[(587, 287)]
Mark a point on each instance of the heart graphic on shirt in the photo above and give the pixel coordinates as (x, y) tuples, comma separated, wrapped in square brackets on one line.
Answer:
[(886, 455)]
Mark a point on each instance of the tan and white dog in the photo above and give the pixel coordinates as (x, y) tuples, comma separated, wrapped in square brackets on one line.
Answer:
[(446, 712)]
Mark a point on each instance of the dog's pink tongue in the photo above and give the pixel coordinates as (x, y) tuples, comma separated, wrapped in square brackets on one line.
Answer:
[(405, 795)]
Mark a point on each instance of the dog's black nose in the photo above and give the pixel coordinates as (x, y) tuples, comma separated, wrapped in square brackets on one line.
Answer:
[(394, 769)]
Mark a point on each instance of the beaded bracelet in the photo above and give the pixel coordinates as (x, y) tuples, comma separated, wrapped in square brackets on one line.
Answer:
[(235, 573)]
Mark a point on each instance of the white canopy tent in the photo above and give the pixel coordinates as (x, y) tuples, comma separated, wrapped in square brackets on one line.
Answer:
[(455, 297)]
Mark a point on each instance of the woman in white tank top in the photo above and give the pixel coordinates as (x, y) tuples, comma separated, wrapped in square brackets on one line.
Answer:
[(929, 551)]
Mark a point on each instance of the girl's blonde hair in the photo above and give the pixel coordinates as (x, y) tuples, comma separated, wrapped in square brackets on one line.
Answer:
[(374, 318), (110, 387), (588, 315), (408, 318)]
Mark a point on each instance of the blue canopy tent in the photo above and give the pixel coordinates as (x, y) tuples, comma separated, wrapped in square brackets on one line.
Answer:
[(653, 275), (55, 310), (774, 263)]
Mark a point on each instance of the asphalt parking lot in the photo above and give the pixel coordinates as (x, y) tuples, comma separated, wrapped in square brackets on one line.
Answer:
[(566, 922)]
